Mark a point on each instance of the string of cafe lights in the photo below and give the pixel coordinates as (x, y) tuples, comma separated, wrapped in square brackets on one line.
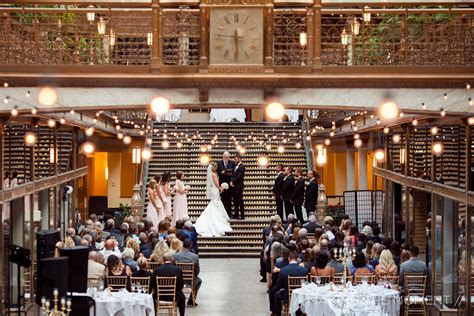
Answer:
[(274, 110)]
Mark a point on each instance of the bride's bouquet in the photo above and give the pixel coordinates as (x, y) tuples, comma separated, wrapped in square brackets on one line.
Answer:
[(187, 187), (225, 186)]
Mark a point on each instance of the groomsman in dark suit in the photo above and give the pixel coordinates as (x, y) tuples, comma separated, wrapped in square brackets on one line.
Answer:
[(277, 189), (287, 190), (225, 170), (298, 194), (311, 192), (237, 182)]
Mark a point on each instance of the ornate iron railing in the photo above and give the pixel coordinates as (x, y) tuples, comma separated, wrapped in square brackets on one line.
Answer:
[(159, 36)]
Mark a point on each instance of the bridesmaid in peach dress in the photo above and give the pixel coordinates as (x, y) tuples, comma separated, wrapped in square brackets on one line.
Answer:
[(180, 203)]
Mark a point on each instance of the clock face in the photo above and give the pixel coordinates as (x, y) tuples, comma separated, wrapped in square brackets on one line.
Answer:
[(236, 36)]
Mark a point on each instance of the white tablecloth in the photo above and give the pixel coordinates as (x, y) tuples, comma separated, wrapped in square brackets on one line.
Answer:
[(124, 304), (360, 300), (227, 115)]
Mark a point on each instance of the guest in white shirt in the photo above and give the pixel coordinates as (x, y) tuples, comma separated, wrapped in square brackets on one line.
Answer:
[(111, 248)]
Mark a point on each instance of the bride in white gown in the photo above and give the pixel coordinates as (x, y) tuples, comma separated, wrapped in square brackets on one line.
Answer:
[(214, 220)]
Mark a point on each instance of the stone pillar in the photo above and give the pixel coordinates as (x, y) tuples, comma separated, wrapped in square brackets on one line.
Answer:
[(362, 169), (350, 166)]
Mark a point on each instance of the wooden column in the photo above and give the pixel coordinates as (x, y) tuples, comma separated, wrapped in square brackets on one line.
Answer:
[(2, 252), (317, 36), (156, 47), (268, 36), (468, 227), (204, 54)]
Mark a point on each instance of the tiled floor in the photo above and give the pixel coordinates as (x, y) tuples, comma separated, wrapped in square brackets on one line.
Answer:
[(230, 287)]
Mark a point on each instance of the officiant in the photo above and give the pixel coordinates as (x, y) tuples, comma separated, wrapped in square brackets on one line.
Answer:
[(225, 170)]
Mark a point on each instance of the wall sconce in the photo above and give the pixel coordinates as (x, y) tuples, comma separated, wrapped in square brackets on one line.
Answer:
[(344, 38), (355, 27), (367, 16), (136, 155), (149, 38), (101, 26), (90, 15)]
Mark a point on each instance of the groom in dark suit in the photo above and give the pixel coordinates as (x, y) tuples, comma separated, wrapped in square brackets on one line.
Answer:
[(225, 169), (237, 182)]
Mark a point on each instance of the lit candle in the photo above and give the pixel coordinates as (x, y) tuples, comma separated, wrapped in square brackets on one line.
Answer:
[(68, 303), (43, 300), (55, 292), (63, 301), (47, 304)]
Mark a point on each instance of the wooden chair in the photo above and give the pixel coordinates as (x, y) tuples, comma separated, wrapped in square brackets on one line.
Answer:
[(415, 300), (166, 288), (117, 282), (188, 277), (326, 279), (294, 282), (392, 279), (152, 266), (143, 282), (359, 277), (338, 278)]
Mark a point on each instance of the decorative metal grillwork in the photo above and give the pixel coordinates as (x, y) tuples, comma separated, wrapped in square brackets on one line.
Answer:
[(399, 39), (287, 27), (68, 38), (181, 37)]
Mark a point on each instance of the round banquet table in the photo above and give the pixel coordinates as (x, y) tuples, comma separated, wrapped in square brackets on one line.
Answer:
[(124, 304), (333, 300)]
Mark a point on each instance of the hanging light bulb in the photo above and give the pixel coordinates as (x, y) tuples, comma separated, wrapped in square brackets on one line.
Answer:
[(146, 154), (30, 139), (263, 161), (442, 113), (468, 86), (28, 94), (470, 101), (414, 122), (88, 147), (423, 106), (396, 138), (275, 110), (355, 129), (401, 114), (47, 96), (434, 130), (204, 159), (445, 96), (357, 143), (165, 144), (34, 110), (298, 145), (6, 100), (51, 123), (379, 155), (62, 121), (386, 130), (268, 146), (72, 112), (327, 142), (14, 111), (388, 110), (242, 150), (470, 120), (356, 136), (120, 136), (331, 134), (280, 149), (5, 84), (90, 131), (94, 121), (160, 105), (149, 141), (437, 148), (179, 145), (127, 140)]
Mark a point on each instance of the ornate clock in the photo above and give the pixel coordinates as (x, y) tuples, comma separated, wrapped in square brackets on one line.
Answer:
[(236, 36)]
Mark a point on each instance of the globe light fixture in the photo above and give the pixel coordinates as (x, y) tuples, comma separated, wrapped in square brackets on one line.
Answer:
[(127, 140), (62, 121), (386, 130), (160, 105), (470, 120), (414, 122), (120, 136), (51, 123), (298, 145), (357, 143), (14, 111), (356, 136), (263, 161), (443, 113), (327, 142), (179, 145), (90, 131), (280, 149), (434, 130), (332, 134), (388, 110), (396, 138), (204, 159), (149, 141), (242, 150), (165, 144), (146, 154), (34, 110), (30, 138), (47, 96), (275, 110)]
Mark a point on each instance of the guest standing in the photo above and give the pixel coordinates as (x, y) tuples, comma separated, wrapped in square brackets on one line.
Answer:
[(180, 205), (277, 189), (225, 168), (287, 190), (298, 195), (166, 192), (154, 208), (311, 193)]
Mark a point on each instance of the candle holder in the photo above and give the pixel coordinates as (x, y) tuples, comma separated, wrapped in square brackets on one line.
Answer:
[(341, 255), (56, 311)]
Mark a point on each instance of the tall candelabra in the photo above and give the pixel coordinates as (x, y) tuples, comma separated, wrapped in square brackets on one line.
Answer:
[(65, 306), (341, 255)]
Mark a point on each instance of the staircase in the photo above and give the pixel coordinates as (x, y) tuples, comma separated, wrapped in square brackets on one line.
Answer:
[(246, 238)]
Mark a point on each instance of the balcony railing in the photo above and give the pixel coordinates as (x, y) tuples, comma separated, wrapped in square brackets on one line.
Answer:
[(178, 37)]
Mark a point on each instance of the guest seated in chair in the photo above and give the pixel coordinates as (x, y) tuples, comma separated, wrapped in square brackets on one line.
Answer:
[(115, 267), (387, 266), (168, 269), (413, 265), (281, 287), (142, 271), (359, 264), (187, 256), (321, 267)]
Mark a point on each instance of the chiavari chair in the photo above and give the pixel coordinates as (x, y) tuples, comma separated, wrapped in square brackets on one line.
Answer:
[(143, 282), (152, 266), (324, 279), (360, 277), (415, 300), (116, 283), (188, 277), (166, 289), (294, 282)]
